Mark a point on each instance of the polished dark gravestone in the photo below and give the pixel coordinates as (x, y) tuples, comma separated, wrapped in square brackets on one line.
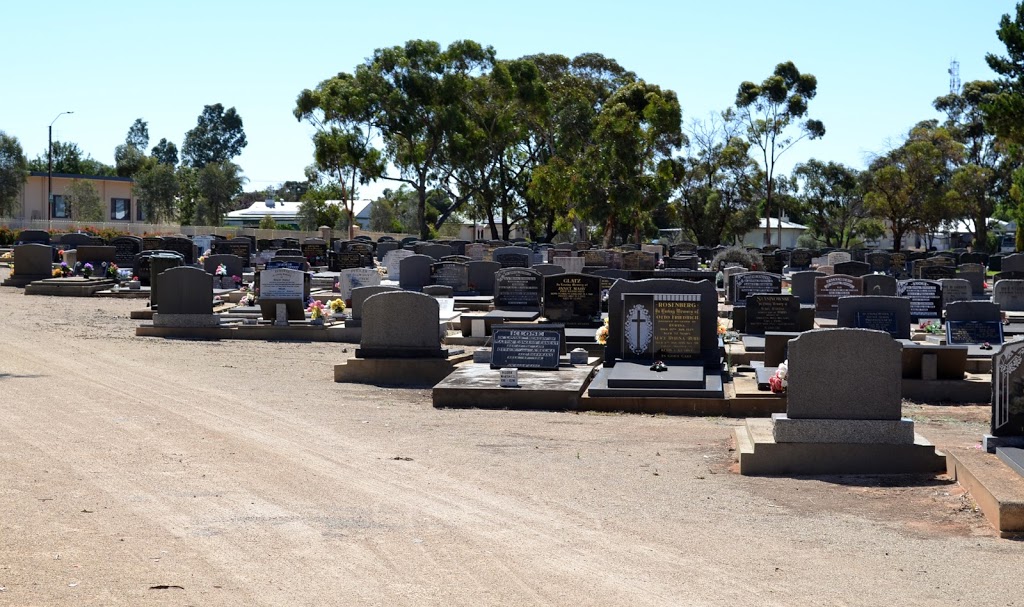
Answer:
[(875, 312), (518, 289), (573, 299), (746, 284), (925, 298), (523, 346), (772, 312)]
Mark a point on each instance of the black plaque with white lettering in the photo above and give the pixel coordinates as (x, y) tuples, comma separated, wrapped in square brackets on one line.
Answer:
[(526, 346), (966, 332), (772, 312)]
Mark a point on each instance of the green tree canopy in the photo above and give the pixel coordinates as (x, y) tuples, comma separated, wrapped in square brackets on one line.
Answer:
[(217, 137), (13, 173), (716, 183), (157, 188), (83, 201), (833, 202), (909, 187), (769, 110), (217, 183), (165, 152)]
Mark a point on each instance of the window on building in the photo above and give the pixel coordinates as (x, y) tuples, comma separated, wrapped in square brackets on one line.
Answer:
[(120, 209), (58, 208)]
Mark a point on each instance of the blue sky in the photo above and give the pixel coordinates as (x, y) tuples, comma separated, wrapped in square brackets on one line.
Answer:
[(879, 64)]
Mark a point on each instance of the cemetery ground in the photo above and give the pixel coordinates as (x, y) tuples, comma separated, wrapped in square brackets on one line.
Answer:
[(144, 471)]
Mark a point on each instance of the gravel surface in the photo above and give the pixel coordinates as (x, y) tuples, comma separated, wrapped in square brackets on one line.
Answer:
[(143, 471)]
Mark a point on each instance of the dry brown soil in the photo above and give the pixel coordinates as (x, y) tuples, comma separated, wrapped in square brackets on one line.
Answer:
[(143, 471)]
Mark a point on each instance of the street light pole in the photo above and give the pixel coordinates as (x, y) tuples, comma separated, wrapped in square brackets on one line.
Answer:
[(49, 171)]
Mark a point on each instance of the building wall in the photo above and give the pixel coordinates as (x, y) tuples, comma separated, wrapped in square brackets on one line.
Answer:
[(34, 203)]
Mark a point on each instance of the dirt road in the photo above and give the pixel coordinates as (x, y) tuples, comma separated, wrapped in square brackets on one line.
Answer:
[(141, 471)]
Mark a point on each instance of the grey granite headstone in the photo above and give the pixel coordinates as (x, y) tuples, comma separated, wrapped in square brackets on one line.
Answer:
[(437, 251), (879, 284), (384, 247), (360, 295), (438, 291), (481, 276), (185, 290), (802, 285), (879, 261), (392, 262), (837, 257), (32, 236), (33, 260), (955, 289), (851, 268), (451, 274), (1013, 263), (400, 324), (125, 250), (234, 264), (844, 374), (415, 272), (548, 269), (1009, 295), (513, 257)]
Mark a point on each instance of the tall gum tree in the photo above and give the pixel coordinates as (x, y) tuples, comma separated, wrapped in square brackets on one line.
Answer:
[(416, 96), (769, 110), (716, 182)]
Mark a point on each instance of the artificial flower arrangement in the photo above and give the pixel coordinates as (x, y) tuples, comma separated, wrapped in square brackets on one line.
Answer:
[(56, 273), (337, 306), (780, 381), (112, 271), (222, 270), (249, 299), (316, 310), (602, 334), (930, 326), (236, 279), (721, 327), (337, 287), (382, 271), (87, 270)]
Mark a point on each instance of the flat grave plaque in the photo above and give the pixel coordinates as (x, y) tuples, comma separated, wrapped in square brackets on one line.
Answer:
[(967, 332), (878, 320), (527, 346)]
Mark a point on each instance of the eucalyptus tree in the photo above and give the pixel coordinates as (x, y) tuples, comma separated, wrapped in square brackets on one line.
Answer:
[(492, 161), (715, 191), (342, 115), (774, 113), (832, 201), (218, 137), (13, 173), (909, 186), (630, 160)]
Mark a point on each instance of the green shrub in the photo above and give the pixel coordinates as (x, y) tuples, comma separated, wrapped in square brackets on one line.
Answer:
[(750, 260)]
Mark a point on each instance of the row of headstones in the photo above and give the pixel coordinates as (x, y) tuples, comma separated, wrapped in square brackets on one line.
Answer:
[(823, 290)]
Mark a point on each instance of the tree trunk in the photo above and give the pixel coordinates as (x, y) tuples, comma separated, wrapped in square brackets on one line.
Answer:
[(421, 212), (981, 235)]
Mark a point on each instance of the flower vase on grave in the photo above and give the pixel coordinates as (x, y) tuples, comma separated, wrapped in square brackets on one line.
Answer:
[(134, 285)]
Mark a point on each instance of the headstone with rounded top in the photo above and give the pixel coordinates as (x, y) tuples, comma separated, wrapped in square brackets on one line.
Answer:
[(400, 324)]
